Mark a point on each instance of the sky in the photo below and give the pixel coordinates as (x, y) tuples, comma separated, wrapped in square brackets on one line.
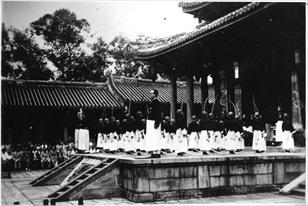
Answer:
[(108, 19)]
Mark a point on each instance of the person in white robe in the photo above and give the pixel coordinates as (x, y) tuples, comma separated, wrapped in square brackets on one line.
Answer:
[(287, 132), (278, 129), (153, 126), (259, 140)]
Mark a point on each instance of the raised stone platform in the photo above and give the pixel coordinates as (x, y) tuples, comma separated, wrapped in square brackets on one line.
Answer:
[(196, 175)]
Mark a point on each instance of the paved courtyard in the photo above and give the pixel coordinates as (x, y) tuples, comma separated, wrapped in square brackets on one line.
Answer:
[(17, 189)]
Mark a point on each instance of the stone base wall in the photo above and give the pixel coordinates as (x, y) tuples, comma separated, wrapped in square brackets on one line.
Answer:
[(106, 186), (189, 179)]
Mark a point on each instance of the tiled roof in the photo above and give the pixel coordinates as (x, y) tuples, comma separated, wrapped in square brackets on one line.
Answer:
[(138, 90), (56, 94), (189, 6), (155, 49)]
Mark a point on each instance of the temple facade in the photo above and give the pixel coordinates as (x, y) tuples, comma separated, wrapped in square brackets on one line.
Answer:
[(251, 54), (44, 111)]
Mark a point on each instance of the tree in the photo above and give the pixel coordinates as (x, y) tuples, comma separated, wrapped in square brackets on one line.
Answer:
[(63, 34), (121, 49), (7, 69), (21, 56), (32, 57), (98, 61)]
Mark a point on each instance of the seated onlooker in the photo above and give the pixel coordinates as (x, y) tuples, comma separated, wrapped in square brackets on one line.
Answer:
[(60, 155), (28, 159), (36, 159), (45, 159), (53, 156), (21, 160), (6, 162), (65, 152), (16, 160), (71, 152)]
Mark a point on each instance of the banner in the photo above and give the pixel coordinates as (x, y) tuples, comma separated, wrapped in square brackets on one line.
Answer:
[(296, 110), (224, 95), (211, 94), (238, 99)]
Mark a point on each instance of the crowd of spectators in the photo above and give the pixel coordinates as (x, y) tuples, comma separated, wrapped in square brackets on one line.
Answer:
[(34, 157)]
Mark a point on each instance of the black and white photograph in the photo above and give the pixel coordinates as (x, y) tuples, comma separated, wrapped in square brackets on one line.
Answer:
[(153, 103)]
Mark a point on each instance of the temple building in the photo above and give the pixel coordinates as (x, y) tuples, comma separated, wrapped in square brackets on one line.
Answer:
[(42, 111), (46, 111), (251, 54)]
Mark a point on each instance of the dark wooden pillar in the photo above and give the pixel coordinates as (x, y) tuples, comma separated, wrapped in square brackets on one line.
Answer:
[(189, 97), (173, 101)]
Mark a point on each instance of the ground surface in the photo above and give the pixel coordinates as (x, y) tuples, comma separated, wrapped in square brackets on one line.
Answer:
[(18, 189)]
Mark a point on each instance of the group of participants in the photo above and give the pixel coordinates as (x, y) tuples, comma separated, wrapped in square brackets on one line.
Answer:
[(207, 134)]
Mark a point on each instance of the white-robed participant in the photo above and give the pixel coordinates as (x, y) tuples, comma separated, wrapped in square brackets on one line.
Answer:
[(167, 133), (287, 132), (180, 140), (238, 134), (172, 140), (153, 126), (140, 127), (204, 139), (220, 129), (133, 142), (82, 136), (139, 142), (231, 137), (100, 141), (164, 137), (258, 141), (278, 129), (181, 145), (119, 134), (203, 144)]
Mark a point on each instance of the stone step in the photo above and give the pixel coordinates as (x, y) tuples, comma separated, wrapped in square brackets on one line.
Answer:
[(298, 191), (302, 185)]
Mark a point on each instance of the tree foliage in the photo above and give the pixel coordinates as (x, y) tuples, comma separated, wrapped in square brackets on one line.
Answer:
[(63, 34), (121, 50), (22, 58), (6, 54), (62, 46)]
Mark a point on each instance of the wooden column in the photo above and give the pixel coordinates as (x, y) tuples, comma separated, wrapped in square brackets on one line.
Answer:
[(173, 101), (189, 97)]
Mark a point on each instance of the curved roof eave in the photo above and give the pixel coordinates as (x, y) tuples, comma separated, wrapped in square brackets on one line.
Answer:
[(236, 16), (190, 7)]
